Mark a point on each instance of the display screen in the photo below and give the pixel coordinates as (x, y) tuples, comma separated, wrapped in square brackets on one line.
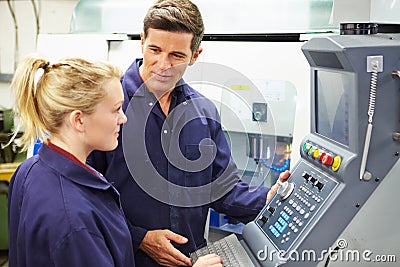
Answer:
[(332, 101)]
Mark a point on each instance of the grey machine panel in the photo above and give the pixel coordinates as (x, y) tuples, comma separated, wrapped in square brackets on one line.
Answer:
[(299, 226)]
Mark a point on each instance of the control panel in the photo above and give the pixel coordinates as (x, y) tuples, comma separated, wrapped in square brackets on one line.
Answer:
[(295, 204)]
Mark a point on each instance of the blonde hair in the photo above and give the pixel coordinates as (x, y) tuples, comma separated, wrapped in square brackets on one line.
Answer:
[(67, 85)]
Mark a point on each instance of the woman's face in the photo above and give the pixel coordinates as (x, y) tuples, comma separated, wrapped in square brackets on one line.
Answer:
[(102, 127)]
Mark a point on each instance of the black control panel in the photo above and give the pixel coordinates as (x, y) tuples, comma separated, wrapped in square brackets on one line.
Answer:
[(290, 211)]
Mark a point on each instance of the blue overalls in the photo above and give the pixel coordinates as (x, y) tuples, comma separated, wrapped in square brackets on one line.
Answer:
[(61, 214)]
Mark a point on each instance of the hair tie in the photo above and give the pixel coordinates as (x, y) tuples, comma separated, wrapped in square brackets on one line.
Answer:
[(46, 65)]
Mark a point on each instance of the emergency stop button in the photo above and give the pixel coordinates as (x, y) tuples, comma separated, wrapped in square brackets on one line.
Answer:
[(326, 159)]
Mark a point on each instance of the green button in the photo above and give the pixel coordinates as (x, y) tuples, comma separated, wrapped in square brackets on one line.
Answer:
[(304, 146)]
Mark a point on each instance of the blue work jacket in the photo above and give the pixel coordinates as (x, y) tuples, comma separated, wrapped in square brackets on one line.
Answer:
[(61, 214), (162, 166)]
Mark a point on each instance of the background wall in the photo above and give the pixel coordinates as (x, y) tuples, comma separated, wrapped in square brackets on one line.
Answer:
[(20, 22)]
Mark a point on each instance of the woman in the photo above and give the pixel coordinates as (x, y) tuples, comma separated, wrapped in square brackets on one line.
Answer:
[(62, 212)]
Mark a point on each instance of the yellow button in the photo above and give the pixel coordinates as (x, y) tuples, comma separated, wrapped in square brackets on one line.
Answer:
[(336, 163), (316, 153)]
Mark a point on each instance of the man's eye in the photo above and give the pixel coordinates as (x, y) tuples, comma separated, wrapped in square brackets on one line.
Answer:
[(179, 56)]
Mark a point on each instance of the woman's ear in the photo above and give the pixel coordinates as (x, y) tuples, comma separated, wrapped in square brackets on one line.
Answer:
[(76, 120)]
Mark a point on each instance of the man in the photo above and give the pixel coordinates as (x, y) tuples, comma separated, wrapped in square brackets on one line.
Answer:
[(174, 161)]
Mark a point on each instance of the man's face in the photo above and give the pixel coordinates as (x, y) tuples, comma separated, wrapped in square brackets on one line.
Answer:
[(165, 58)]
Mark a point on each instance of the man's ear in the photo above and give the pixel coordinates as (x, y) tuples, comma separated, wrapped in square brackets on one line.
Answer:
[(76, 120), (142, 40), (195, 56)]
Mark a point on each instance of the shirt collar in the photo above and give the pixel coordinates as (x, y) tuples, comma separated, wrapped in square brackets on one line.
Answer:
[(70, 169), (69, 156)]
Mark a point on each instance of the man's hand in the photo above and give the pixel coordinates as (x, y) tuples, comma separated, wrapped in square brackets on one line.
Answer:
[(157, 244), (210, 260), (282, 177)]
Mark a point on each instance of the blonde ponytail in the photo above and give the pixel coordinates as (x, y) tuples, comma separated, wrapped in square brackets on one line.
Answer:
[(25, 106)]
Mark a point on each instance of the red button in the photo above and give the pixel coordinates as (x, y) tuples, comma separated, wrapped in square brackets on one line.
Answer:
[(327, 159)]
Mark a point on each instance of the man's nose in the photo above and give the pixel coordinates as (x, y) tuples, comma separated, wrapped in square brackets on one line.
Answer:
[(164, 62)]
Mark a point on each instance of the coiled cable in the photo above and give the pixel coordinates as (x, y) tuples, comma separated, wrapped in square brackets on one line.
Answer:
[(372, 92), (371, 110)]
